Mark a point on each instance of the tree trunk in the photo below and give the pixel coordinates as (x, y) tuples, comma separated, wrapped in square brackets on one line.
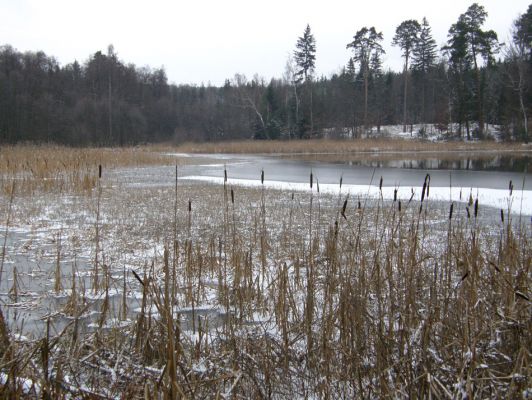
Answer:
[(405, 92), (523, 110), (365, 101), (110, 113), (297, 106), (480, 105), (311, 119)]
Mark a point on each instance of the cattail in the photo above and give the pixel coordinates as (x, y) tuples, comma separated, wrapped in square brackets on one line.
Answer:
[(511, 187), (343, 209), (395, 195), (502, 216), (189, 205), (232, 196), (311, 179), (262, 177), (476, 207), (427, 180), (399, 206), (423, 191), (341, 180), (138, 277), (317, 185), (99, 171), (451, 211), (380, 184), (225, 175)]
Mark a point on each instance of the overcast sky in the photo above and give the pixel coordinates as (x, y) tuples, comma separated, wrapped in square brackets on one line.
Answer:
[(210, 40)]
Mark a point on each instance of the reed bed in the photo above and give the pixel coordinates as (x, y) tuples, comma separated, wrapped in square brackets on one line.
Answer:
[(347, 146), (209, 291), (56, 168)]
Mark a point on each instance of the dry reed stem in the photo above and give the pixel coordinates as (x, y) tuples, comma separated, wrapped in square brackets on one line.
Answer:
[(338, 146), (362, 299)]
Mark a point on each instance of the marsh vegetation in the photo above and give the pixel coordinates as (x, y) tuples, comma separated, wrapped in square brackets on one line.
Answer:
[(111, 288)]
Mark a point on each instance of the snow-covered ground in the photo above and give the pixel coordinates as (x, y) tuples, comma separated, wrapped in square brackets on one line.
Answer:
[(431, 132), (274, 293), (520, 202)]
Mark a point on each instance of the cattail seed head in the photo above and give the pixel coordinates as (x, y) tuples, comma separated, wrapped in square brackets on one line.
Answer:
[(343, 209), (99, 171), (451, 211)]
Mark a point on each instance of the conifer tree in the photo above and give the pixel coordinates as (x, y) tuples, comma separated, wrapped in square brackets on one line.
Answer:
[(467, 43), (424, 59), (305, 58), (365, 45), (406, 37), (305, 54), (519, 63)]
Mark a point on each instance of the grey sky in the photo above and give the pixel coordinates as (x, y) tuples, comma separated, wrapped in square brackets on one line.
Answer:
[(211, 40)]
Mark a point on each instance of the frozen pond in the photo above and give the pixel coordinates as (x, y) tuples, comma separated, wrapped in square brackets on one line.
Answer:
[(30, 301), (493, 172), (452, 177)]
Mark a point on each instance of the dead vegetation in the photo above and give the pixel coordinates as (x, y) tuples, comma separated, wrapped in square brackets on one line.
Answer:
[(347, 146), (59, 168), (268, 294)]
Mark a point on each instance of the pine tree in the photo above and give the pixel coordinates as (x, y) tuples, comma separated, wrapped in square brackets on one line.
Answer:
[(365, 45), (522, 33), (350, 69), (519, 63), (424, 51), (305, 54), (467, 42), (424, 59), (406, 37), (305, 58)]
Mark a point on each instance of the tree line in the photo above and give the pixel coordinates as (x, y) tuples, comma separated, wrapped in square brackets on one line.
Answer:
[(473, 80)]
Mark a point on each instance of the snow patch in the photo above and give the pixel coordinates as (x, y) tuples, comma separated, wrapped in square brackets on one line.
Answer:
[(497, 198)]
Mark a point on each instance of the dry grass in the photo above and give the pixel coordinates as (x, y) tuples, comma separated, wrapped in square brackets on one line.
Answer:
[(323, 146), (317, 297), (63, 168)]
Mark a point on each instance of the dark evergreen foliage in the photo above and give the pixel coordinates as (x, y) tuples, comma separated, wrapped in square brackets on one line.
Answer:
[(107, 102)]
